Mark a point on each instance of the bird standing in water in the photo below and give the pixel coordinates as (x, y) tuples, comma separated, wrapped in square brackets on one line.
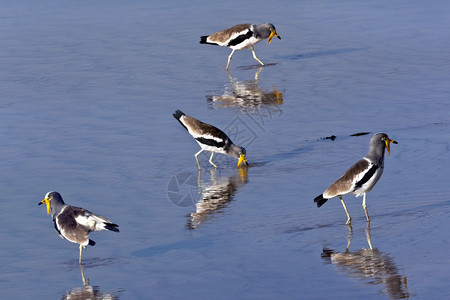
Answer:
[(74, 223), (362, 176), (241, 36), (210, 138)]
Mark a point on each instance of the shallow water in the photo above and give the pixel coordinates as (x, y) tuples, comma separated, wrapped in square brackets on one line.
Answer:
[(87, 92)]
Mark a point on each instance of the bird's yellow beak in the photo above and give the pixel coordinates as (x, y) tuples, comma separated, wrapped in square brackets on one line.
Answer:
[(388, 143), (272, 34), (47, 202), (242, 159)]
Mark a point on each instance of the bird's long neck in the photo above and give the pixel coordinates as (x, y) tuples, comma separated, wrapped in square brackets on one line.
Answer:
[(376, 154), (261, 31), (56, 208)]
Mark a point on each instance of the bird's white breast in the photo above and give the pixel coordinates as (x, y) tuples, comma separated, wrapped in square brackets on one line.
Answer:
[(367, 186)]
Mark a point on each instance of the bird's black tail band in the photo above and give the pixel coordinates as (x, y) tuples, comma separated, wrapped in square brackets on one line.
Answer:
[(177, 115), (320, 200), (203, 40)]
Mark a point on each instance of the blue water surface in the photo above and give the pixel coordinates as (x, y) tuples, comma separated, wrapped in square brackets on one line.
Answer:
[(87, 92)]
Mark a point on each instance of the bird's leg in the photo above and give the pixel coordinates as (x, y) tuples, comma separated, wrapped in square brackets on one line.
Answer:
[(229, 58), (365, 207), (255, 57), (81, 250), (349, 219), (210, 160), (196, 154)]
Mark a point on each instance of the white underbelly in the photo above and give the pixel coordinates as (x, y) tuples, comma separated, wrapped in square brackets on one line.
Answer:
[(366, 187), (246, 44), (211, 148)]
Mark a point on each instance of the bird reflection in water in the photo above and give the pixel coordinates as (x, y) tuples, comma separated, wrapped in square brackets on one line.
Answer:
[(215, 196), (247, 96), (370, 265), (88, 292)]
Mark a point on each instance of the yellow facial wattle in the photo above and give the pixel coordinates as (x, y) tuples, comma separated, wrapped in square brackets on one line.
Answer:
[(272, 34), (242, 159), (388, 145), (47, 203)]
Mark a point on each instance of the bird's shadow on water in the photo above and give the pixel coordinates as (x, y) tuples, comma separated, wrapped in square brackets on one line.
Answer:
[(324, 53), (253, 67), (308, 228), (90, 263), (307, 147), (306, 56), (390, 219), (187, 244), (416, 211)]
